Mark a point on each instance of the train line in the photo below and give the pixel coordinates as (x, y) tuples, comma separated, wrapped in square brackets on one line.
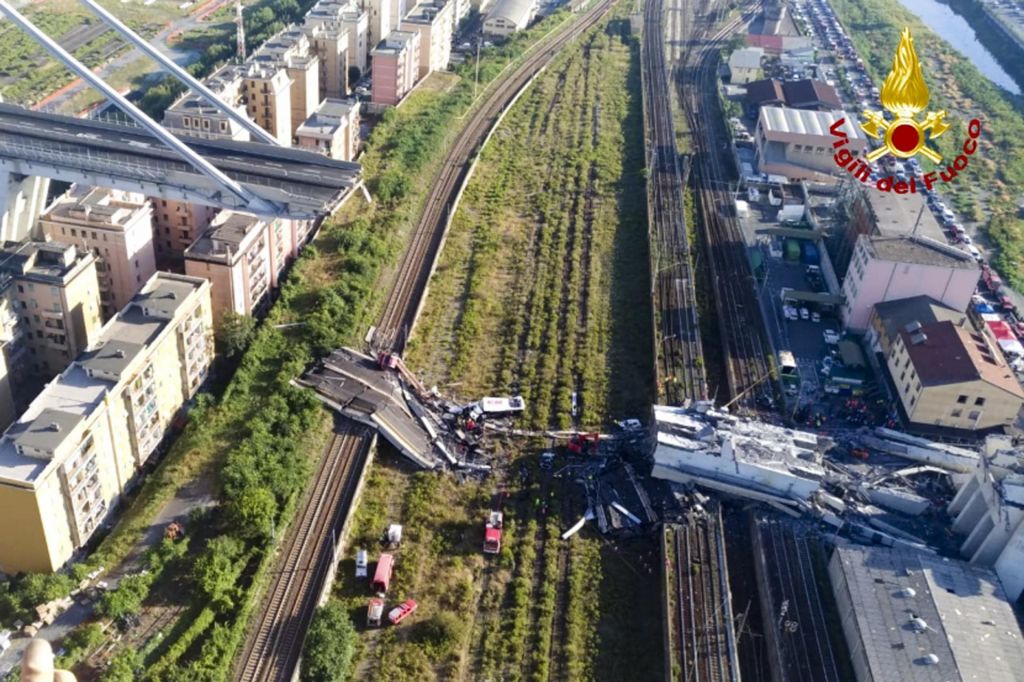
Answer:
[(681, 368), (272, 648), (274, 644), (403, 304), (741, 326), (704, 649)]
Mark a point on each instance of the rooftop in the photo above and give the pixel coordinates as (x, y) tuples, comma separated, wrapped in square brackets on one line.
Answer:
[(395, 42), (918, 251), (808, 91), (806, 122), (902, 214), (98, 206), (746, 58), (325, 121), (965, 620), (896, 315), (51, 262), (944, 353), (424, 12), (73, 396), (227, 237)]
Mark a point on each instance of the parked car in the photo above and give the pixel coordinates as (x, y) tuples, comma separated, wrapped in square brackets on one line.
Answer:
[(805, 314), (831, 336), (402, 611), (361, 563)]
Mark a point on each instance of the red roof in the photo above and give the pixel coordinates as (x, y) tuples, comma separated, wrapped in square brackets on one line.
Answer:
[(382, 576), (1002, 331), (769, 43), (492, 534)]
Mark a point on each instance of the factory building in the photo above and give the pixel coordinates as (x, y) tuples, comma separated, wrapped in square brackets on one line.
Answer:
[(797, 143), (66, 461), (803, 94), (117, 227), (892, 268), (911, 615), (506, 17), (952, 377)]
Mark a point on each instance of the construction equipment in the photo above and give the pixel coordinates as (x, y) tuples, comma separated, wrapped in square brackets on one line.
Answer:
[(492, 533)]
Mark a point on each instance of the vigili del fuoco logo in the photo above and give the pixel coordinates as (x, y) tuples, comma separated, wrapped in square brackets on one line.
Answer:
[(904, 96)]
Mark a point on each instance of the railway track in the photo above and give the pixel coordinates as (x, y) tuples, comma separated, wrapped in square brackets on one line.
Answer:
[(740, 323), (272, 648), (403, 304), (681, 369), (701, 617)]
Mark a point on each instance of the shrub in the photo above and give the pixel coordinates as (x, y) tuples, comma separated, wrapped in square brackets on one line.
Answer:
[(330, 645)]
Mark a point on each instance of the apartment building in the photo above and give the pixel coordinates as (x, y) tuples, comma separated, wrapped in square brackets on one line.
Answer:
[(292, 51), (243, 256), (434, 20), (379, 19), (65, 463), (176, 224), (192, 115), (395, 67), (351, 20), (950, 376), (332, 130), (117, 227), (329, 41), (54, 292), (891, 268)]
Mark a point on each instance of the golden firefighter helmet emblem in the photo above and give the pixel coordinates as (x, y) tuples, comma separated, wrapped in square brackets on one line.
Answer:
[(904, 95)]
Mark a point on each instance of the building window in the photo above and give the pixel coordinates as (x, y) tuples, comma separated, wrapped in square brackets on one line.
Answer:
[(74, 232), (94, 235), (21, 289), (912, 401), (974, 415), (978, 402), (956, 413), (917, 388), (962, 399), (163, 202)]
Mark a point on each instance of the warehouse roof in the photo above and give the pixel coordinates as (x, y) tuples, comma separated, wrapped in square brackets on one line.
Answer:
[(902, 214), (923, 617), (810, 92), (805, 122), (517, 12), (918, 251), (746, 58)]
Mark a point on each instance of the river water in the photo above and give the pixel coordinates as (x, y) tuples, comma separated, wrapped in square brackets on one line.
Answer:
[(955, 30)]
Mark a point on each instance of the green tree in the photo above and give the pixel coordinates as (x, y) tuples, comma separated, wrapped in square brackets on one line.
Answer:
[(234, 333), (217, 569), (39, 588), (123, 666), (80, 642), (330, 645), (252, 512), (127, 598)]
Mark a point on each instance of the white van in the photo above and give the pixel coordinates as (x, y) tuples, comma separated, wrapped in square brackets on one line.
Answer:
[(361, 563)]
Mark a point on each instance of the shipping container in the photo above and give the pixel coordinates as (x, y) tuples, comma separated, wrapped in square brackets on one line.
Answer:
[(793, 249), (810, 254)]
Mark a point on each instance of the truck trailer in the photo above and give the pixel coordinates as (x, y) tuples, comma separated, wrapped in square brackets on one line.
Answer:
[(382, 576)]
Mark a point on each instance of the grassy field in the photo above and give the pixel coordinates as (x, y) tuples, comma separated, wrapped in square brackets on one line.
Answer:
[(541, 288), (992, 187)]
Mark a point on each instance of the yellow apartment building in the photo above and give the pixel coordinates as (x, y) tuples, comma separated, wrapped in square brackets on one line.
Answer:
[(66, 461), (117, 227)]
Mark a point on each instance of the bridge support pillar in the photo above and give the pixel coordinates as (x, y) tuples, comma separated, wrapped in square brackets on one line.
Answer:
[(22, 200)]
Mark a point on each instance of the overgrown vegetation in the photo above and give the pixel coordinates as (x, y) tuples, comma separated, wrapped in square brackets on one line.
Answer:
[(259, 439), (540, 289), (993, 184), (330, 645)]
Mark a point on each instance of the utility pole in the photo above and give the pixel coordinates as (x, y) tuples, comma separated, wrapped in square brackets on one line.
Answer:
[(240, 33), (476, 76)]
